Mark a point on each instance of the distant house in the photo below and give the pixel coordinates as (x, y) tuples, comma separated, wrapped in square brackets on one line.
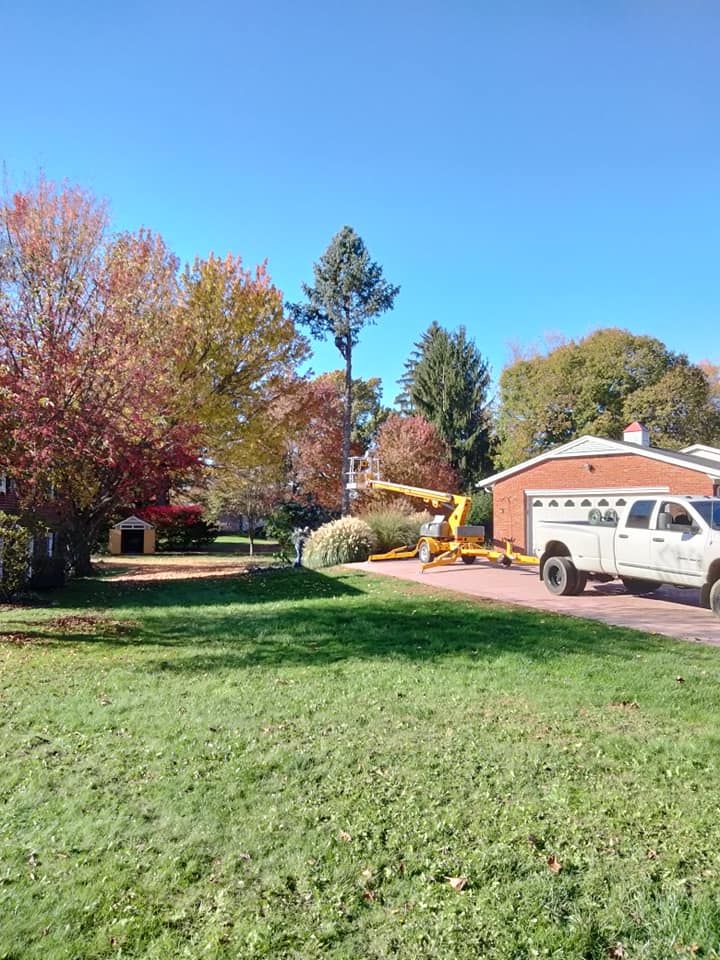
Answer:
[(46, 561), (594, 472)]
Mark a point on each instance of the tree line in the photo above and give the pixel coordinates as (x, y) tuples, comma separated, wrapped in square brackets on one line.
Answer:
[(127, 380)]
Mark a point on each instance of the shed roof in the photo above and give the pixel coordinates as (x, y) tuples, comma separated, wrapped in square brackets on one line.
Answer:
[(133, 523)]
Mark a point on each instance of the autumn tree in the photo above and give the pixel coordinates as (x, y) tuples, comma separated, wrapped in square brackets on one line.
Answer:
[(368, 411), (238, 361), (251, 493), (349, 292), (597, 385), (712, 373), (446, 381), (677, 410), (314, 451), (88, 350), (412, 451)]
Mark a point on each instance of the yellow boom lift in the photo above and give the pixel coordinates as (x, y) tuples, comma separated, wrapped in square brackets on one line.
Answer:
[(447, 536)]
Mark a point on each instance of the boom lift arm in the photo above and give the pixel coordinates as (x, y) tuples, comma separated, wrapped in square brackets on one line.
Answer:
[(442, 543), (459, 503)]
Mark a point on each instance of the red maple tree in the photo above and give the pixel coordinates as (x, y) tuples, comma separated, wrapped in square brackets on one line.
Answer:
[(88, 350), (411, 451)]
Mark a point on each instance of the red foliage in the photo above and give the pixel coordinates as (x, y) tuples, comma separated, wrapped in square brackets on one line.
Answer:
[(88, 397), (411, 451), (316, 449), (167, 516), (179, 527)]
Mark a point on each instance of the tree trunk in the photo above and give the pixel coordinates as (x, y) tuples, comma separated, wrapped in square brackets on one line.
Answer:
[(79, 550), (347, 426), (79, 540), (251, 533)]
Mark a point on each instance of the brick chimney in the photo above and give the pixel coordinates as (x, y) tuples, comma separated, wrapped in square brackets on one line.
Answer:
[(637, 433)]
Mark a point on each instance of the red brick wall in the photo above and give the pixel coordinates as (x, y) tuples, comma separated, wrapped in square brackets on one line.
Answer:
[(8, 501), (622, 471)]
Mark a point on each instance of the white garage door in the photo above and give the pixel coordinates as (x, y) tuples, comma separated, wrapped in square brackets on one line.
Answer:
[(568, 505)]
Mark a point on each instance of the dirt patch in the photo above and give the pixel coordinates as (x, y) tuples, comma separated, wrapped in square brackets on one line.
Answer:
[(88, 623), (155, 568)]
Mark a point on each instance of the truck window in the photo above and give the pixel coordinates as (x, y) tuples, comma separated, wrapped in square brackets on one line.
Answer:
[(709, 510), (677, 514), (639, 515)]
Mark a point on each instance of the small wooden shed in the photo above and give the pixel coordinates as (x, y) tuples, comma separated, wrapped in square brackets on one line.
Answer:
[(132, 535)]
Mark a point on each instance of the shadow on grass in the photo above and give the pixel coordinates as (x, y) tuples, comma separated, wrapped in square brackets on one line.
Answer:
[(217, 590), (288, 617)]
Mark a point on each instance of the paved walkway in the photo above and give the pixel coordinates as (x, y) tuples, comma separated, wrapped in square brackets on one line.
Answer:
[(670, 611)]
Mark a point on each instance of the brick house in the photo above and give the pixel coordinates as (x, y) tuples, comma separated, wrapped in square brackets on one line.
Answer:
[(564, 483), (45, 559)]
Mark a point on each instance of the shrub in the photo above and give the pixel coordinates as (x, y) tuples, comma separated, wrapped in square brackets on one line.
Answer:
[(289, 516), (393, 528), (179, 528), (481, 511), (14, 555), (340, 541)]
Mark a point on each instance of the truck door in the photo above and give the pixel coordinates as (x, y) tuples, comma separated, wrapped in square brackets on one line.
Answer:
[(632, 542), (677, 544)]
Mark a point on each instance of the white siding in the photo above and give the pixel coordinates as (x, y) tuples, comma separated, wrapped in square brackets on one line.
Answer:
[(568, 505)]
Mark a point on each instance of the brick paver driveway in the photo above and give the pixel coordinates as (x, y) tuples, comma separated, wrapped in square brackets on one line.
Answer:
[(670, 611)]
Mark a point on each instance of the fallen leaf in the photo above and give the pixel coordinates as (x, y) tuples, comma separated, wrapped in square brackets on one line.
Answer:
[(554, 864), (617, 951), (457, 883), (367, 874), (680, 679), (344, 835), (652, 854), (369, 896)]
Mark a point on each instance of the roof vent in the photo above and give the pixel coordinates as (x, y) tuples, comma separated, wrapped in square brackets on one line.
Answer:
[(637, 433)]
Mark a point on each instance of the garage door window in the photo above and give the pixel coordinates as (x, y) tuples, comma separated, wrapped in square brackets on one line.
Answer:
[(639, 516)]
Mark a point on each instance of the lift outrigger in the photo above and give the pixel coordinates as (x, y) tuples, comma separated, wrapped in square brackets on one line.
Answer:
[(447, 537)]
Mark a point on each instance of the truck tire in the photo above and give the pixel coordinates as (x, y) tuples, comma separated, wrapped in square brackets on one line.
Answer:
[(424, 552), (581, 583), (715, 598), (468, 558), (560, 576), (639, 588)]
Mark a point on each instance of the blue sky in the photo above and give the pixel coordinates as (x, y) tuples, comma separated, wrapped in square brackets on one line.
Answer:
[(522, 168)]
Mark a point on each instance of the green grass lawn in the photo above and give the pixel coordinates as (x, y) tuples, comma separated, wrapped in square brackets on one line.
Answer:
[(293, 764), (236, 543)]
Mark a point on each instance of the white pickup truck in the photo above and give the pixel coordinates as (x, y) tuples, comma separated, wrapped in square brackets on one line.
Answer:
[(656, 540)]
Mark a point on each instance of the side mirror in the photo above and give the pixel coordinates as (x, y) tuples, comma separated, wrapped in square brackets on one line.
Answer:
[(663, 521)]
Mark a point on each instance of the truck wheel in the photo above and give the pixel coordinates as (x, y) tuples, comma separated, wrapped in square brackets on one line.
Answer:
[(581, 583), (715, 598), (468, 558), (424, 552), (560, 576), (639, 587)]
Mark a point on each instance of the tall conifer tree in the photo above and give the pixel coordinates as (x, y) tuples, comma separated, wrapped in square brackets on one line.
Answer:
[(349, 292), (446, 381)]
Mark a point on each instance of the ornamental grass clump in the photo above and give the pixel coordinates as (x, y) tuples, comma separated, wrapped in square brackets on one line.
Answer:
[(341, 541), (392, 527)]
